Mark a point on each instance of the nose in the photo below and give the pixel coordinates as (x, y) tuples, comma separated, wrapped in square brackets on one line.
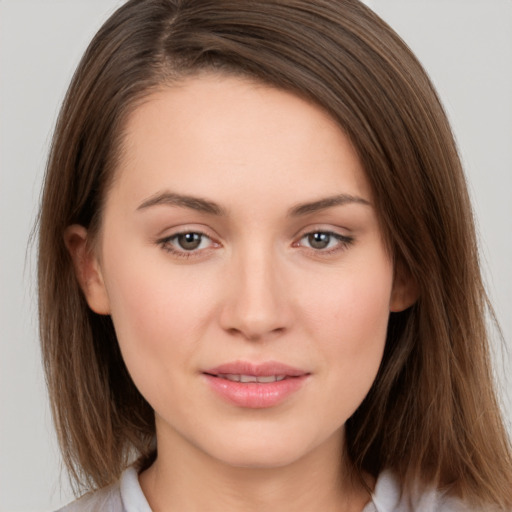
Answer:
[(256, 302)]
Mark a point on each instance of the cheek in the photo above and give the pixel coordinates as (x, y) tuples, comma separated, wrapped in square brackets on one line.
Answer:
[(159, 311), (348, 318), (352, 303), (350, 330)]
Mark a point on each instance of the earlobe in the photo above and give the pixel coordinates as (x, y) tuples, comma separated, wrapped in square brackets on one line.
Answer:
[(87, 268), (405, 290)]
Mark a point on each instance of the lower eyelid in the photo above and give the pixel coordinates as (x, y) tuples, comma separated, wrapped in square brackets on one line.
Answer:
[(343, 244), (168, 244)]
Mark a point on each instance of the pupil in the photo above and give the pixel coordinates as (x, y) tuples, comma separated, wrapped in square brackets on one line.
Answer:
[(189, 241), (319, 240)]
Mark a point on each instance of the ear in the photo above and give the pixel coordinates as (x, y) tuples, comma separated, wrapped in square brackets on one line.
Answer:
[(405, 290), (87, 268)]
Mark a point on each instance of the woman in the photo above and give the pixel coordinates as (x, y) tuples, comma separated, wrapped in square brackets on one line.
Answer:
[(250, 283)]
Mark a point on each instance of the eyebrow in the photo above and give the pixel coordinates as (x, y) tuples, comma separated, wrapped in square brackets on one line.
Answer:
[(325, 203), (184, 201), (206, 206)]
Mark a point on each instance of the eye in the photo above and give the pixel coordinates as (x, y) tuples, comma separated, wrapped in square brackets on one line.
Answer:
[(319, 240), (187, 243), (325, 241)]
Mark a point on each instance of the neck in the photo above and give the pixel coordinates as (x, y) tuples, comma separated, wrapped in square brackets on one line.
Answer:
[(186, 479)]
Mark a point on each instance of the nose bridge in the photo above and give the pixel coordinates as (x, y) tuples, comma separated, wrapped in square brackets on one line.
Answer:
[(256, 305)]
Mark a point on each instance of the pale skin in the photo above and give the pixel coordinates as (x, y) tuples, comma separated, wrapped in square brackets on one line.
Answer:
[(284, 261)]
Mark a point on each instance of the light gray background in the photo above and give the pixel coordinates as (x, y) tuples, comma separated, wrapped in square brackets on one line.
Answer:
[(466, 45)]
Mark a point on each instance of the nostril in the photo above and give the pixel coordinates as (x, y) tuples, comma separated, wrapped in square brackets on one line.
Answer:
[(254, 311)]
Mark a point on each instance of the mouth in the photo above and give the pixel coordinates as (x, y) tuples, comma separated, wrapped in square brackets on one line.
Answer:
[(263, 373), (255, 386), (250, 378)]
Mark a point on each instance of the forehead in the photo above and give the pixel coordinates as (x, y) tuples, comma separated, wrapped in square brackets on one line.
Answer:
[(216, 129)]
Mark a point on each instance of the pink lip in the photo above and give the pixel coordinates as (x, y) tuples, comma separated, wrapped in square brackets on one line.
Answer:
[(255, 395)]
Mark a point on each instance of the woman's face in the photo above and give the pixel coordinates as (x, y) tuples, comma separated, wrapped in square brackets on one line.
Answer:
[(241, 260)]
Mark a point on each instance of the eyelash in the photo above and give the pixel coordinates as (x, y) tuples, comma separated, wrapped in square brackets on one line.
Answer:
[(343, 242), (167, 243)]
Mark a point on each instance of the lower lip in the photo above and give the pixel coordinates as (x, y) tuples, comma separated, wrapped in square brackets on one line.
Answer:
[(255, 395)]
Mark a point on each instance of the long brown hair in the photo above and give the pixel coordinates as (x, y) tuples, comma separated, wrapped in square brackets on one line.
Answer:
[(432, 413)]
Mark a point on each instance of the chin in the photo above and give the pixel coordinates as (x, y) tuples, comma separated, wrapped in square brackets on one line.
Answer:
[(268, 458), (260, 451)]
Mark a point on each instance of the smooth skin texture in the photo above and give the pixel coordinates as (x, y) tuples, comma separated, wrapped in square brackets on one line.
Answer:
[(240, 227)]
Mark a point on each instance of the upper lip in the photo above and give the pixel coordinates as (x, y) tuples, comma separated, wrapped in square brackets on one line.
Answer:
[(265, 369)]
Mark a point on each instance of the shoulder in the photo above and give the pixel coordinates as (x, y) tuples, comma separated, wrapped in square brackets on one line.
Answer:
[(124, 496), (389, 497), (107, 499)]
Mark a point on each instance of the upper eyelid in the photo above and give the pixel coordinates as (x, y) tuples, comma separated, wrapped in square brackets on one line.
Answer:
[(322, 228), (167, 238), (330, 231), (170, 232), (338, 236)]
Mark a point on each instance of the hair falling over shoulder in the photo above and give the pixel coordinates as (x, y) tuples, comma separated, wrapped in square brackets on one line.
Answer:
[(432, 414)]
